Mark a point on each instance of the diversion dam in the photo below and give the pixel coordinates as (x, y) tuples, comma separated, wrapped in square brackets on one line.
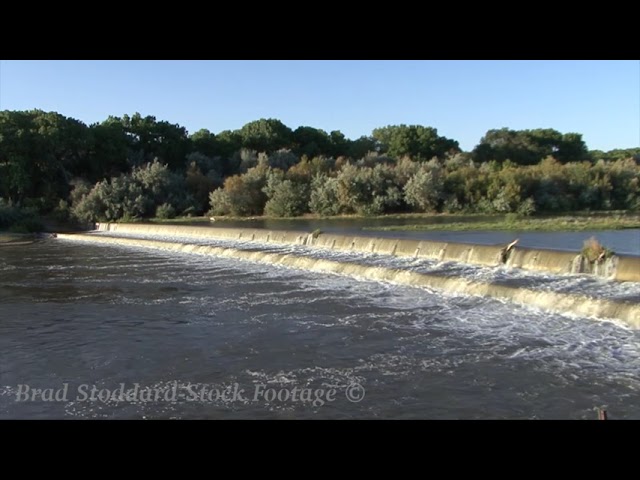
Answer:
[(557, 281)]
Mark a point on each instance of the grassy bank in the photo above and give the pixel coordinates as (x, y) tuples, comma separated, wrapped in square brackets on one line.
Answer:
[(9, 238), (572, 221), (555, 224), (309, 216)]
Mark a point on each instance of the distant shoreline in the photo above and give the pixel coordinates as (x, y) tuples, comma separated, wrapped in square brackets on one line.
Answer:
[(575, 221), (7, 238)]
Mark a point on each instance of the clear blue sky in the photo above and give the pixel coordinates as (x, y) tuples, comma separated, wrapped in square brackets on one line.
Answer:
[(462, 99)]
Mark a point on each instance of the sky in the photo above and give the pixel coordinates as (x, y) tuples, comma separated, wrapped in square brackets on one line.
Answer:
[(462, 99)]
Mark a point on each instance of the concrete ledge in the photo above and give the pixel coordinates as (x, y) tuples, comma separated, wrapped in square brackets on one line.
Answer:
[(620, 268)]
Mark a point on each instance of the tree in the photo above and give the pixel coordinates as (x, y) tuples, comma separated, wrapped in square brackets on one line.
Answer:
[(311, 142), (200, 185), (528, 147), (266, 135), (133, 195), (228, 143), (285, 197), (39, 153), (416, 141), (324, 195), (283, 159), (242, 194), (366, 190), (110, 146), (205, 142), (424, 190), (338, 144), (152, 139), (359, 148)]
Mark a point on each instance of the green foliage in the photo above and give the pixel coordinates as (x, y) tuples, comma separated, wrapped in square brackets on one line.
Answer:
[(205, 143), (62, 213), (594, 251), (283, 159), (528, 147), (511, 218), (416, 141), (287, 199), (368, 191), (241, 195), (266, 135), (151, 139), (527, 207), (189, 211), (9, 214), (424, 190), (19, 220), (311, 142), (165, 211), (127, 167), (360, 147), (199, 185), (246, 158), (132, 196), (616, 154), (220, 202), (39, 152), (324, 195)]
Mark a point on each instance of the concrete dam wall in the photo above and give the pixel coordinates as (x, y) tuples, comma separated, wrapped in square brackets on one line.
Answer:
[(620, 268), (627, 312)]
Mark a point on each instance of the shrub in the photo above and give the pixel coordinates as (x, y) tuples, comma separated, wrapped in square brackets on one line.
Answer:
[(189, 212), (424, 190), (28, 224), (368, 191), (286, 198), (165, 211), (289, 200), (527, 207), (242, 195), (19, 220), (324, 195), (594, 251), (62, 213), (219, 202)]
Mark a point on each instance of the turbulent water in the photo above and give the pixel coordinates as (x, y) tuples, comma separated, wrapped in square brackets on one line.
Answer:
[(220, 338)]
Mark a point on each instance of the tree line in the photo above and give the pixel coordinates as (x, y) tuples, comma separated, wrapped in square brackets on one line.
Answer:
[(137, 167)]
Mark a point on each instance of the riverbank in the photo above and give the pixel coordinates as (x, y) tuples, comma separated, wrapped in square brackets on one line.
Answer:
[(575, 221), (8, 238), (555, 224)]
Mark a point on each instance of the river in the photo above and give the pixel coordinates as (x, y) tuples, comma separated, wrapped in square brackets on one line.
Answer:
[(218, 338)]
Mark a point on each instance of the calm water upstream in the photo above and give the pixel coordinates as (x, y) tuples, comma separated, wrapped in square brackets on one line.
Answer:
[(212, 338), (626, 242)]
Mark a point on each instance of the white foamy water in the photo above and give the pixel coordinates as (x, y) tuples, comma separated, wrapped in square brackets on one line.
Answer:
[(104, 315)]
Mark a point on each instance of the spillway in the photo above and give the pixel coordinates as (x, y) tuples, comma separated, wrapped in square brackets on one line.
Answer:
[(550, 280)]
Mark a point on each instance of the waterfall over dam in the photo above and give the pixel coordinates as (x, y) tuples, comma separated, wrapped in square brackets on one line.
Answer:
[(619, 267), (252, 245)]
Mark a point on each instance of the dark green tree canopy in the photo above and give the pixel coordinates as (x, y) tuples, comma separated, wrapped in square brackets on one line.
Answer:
[(137, 166), (266, 135), (416, 141), (39, 153), (311, 142), (151, 139), (528, 147), (205, 142)]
